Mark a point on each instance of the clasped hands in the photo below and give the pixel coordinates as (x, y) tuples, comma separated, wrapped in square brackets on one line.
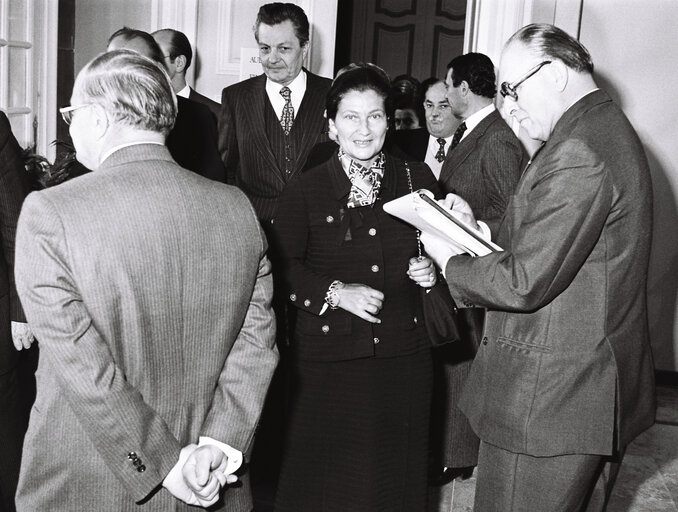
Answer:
[(199, 476)]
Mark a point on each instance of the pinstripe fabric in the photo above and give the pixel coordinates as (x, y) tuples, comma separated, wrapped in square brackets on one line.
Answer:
[(149, 291), (246, 151)]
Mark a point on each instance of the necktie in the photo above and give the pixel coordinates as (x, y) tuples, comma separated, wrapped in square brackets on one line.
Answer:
[(287, 117), (458, 134), (440, 155)]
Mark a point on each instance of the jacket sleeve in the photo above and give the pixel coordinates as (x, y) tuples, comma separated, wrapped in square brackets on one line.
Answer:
[(111, 411), (305, 287), (553, 229), (249, 367), (13, 189)]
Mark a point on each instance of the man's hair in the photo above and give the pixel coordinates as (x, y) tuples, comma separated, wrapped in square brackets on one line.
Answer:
[(178, 45), (427, 84), (358, 77), (132, 89), (278, 12), (153, 51), (554, 43), (477, 70)]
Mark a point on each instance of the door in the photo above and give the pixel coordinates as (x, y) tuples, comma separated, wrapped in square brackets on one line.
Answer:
[(414, 37)]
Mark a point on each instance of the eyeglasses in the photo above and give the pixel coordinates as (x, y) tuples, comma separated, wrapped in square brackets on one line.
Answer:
[(67, 112), (509, 90)]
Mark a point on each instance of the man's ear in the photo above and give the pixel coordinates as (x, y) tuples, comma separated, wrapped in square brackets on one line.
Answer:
[(180, 63), (559, 73), (464, 88), (100, 124)]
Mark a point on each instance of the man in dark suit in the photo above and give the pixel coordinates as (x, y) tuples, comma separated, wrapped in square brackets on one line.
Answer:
[(260, 151), (14, 332), (153, 313), (430, 144), (563, 378), (178, 57), (193, 141), (483, 166)]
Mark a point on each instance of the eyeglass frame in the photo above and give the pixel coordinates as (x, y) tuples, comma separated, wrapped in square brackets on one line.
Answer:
[(67, 112), (509, 89)]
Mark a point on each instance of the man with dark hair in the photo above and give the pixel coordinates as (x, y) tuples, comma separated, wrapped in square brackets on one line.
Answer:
[(482, 166), (193, 141), (563, 380), (430, 144), (178, 57), (269, 123), (153, 313)]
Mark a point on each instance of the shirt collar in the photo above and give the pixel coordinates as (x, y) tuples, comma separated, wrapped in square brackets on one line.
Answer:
[(185, 92), (297, 86), (474, 119), (126, 145)]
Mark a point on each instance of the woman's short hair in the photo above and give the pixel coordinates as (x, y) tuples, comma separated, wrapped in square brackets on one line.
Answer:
[(554, 43), (358, 77), (132, 89)]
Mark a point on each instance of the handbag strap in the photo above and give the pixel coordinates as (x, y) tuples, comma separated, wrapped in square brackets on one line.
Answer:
[(409, 184)]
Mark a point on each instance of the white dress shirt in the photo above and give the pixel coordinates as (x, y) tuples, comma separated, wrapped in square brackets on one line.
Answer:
[(432, 150), (474, 119), (297, 90)]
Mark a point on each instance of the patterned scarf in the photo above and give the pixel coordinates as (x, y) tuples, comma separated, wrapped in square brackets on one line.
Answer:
[(365, 182)]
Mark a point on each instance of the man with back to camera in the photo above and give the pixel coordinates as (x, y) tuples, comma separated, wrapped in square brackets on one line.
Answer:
[(193, 140), (563, 380), (483, 167), (152, 311), (178, 57), (431, 144)]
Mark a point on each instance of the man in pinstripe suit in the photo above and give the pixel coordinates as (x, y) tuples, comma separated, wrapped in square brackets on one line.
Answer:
[(149, 290), (260, 157), (483, 168)]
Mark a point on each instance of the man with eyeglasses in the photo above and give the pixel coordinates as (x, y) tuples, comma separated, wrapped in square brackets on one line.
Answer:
[(563, 379), (149, 289), (482, 166)]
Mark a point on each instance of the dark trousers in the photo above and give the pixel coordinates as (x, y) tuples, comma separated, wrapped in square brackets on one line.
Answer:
[(17, 393), (514, 482), (453, 441)]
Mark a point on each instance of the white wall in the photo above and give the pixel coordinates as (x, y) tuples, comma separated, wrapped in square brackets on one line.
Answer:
[(633, 48), (632, 43), (96, 20)]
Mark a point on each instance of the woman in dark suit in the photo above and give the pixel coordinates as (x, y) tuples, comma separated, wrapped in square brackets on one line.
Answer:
[(358, 432)]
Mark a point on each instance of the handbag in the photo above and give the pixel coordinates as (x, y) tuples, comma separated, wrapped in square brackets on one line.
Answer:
[(438, 306)]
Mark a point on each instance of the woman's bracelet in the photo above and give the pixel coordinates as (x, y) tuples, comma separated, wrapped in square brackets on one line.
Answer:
[(332, 295)]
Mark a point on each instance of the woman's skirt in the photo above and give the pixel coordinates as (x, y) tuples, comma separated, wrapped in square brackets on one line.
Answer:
[(357, 438)]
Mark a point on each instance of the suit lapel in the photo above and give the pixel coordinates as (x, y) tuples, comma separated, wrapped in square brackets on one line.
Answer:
[(458, 155)]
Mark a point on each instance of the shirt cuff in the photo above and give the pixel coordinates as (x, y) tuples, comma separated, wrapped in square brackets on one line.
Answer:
[(485, 229), (234, 456)]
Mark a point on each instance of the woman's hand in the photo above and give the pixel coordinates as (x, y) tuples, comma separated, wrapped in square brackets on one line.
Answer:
[(361, 300), (423, 272)]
